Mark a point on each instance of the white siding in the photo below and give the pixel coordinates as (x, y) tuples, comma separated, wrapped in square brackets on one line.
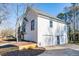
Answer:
[(43, 34), (48, 36), (31, 35), (60, 29), (43, 30)]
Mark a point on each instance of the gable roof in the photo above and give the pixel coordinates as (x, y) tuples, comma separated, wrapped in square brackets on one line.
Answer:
[(39, 12)]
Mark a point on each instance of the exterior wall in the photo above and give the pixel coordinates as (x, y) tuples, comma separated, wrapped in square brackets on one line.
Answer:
[(31, 35), (43, 34), (48, 36)]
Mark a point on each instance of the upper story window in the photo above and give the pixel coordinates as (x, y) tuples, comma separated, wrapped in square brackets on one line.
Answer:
[(25, 19), (24, 26), (51, 23), (32, 24)]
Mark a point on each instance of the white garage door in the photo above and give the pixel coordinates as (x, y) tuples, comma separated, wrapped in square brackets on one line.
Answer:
[(48, 41)]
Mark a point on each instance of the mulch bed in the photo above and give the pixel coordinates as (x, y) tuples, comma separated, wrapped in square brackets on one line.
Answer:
[(7, 48), (29, 52)]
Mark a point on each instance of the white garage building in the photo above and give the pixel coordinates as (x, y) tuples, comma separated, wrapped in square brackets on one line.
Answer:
[(44, 29)]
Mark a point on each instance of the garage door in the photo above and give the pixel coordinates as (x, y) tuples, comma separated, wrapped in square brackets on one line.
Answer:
[(48, 40)]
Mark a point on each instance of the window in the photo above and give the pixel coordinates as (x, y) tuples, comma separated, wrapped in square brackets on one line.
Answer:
[(51, 24), (25, 19), (32, 25), (24, 26)]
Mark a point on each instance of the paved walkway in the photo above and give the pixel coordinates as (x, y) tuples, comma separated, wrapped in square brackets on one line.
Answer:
[(6, 43), (23, 43), (15, 43), (67, 46)]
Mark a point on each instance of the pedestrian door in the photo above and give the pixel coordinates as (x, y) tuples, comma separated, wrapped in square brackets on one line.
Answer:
[(58, 40)]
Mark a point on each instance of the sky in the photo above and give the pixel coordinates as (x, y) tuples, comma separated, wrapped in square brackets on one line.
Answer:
[(50, 8)]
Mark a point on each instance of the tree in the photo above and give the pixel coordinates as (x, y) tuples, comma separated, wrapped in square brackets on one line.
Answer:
[(61, 15), (3, 12), (72, 14), (7, 32), (74, 9)]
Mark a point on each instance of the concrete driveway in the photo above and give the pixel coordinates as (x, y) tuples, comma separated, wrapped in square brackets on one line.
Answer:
[(63, 50), (60, 52)]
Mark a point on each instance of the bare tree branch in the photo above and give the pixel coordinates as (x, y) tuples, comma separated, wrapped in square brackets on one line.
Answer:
[(3, 12)]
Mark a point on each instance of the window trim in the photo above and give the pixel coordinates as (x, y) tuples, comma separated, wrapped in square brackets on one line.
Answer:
[(24, 26), (51, 24), (32, 25)]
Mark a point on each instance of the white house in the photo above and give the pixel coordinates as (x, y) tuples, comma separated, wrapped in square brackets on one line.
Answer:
[(44, 29)]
